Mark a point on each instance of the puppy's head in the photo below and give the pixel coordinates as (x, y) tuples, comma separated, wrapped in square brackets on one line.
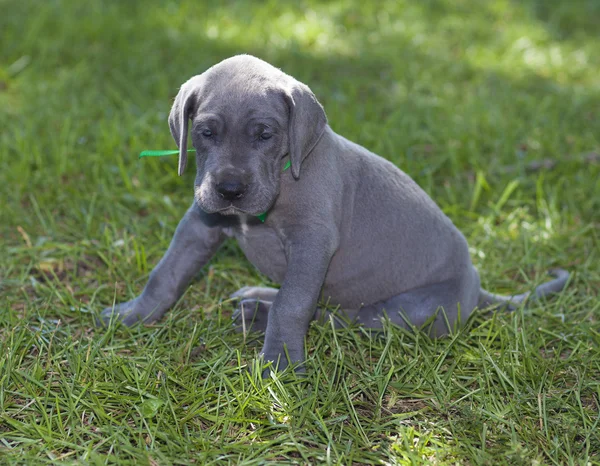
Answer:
[(246, 117)]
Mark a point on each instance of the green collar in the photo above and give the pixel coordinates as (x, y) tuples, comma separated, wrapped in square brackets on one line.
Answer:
[(159, 153)]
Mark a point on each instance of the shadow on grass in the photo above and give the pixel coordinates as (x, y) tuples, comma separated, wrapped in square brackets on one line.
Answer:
[(564, 21), (437, 87)]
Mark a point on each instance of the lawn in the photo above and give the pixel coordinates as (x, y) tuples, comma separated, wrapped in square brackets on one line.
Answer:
[(493, 107)]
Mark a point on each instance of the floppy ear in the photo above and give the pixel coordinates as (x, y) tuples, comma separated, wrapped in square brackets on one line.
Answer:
[(178, 122), (306, 125)]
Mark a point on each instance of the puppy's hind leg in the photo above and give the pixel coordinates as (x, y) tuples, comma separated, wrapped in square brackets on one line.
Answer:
[(262, 293), (438, 308), (252, 311), (251, 315)]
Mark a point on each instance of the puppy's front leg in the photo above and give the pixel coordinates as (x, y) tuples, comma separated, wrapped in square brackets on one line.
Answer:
[(308, 252), (192, 246)]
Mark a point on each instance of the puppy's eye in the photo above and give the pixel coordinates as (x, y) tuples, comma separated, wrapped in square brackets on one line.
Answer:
[(207, 133), (265, 136)]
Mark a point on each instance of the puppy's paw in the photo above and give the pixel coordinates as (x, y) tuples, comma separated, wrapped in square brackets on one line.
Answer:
[(128, 313), (279, 362), (251, 315), (255, 292)]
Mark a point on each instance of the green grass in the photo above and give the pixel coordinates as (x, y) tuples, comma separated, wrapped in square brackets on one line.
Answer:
[(466, 96)]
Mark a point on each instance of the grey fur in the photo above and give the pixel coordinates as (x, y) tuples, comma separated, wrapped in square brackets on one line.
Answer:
[(343, 224)]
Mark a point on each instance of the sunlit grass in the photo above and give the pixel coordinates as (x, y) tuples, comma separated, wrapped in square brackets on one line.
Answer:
[(474, 99)]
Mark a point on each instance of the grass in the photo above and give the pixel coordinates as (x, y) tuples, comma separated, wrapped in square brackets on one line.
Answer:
[(493, 107)]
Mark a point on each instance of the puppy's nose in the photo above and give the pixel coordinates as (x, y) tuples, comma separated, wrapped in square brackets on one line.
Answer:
[(231, 190)]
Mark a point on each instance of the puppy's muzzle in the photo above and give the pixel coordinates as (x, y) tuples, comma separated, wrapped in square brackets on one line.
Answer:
[(231, 190)]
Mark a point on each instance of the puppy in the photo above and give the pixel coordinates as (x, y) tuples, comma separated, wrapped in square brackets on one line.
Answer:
[(322, 216)]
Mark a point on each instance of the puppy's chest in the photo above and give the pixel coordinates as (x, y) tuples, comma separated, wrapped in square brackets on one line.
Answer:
[(263, 248)]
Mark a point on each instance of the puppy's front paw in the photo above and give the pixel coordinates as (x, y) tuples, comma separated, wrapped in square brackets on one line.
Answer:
[(278, 364), (279, 361), (129, 313)]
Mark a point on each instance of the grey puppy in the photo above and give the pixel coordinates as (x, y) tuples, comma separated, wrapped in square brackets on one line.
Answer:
[(343, 224)]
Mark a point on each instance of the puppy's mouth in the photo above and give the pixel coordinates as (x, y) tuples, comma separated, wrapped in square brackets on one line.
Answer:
[(254, 203), (231, 210), (228, 209)]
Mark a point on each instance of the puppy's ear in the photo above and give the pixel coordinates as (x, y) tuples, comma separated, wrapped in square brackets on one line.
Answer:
[(178, 121), (306, 124)]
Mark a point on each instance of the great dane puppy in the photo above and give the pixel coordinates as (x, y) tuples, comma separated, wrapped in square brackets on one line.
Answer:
[(342, 224)]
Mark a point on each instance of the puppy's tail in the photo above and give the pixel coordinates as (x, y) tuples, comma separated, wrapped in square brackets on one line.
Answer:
[(487, 299)]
